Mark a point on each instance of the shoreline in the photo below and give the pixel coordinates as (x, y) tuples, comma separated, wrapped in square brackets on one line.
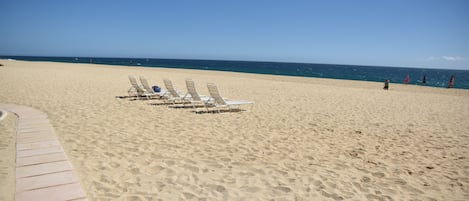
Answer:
[(211, 68), (288, 78), (306, 138)]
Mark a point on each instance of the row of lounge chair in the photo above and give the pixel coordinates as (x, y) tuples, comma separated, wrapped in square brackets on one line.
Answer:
[(192, 97)]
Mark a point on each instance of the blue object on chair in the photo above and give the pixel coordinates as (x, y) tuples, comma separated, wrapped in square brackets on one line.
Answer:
[(156, 89)]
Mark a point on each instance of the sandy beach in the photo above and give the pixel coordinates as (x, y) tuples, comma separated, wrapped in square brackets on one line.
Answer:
[(7, 156), (303, 139)]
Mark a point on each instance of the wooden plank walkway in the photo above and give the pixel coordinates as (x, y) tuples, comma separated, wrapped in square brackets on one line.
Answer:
[(43, 171)]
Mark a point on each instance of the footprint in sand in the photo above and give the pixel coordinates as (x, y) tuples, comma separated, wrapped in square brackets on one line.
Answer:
[(376, 197), (318, 184), (250, 189), (191, 168), (365, 179), (331, 195), (135, 170), (114, 164), (184, 179), (134, 198), (218, 189), (154, 170), (378, 174), (169, 162), (187, 195), (281, 190), (360, 187)]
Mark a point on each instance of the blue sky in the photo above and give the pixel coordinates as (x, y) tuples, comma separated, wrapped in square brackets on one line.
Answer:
[(409, 33)]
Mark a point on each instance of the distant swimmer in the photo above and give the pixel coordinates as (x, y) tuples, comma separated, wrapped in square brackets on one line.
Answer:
[(451, 82)]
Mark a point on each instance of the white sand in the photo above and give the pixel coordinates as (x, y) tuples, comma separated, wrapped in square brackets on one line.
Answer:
[(7, 156), (303, 139)]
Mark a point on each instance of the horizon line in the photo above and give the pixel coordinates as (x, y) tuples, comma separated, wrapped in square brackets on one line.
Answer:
[(236, 60)]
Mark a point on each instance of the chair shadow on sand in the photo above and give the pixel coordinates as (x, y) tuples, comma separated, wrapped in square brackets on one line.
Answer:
[(202, 109), (134, 98), (217, 111), (161, 103)]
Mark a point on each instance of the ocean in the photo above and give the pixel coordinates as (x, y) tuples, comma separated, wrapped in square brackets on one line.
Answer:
[(434, 77)]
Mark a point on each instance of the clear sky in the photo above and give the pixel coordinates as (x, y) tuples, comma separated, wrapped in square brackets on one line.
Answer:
[(409, 33)]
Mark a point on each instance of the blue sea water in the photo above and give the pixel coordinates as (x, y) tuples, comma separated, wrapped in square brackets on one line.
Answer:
[(435, 77)]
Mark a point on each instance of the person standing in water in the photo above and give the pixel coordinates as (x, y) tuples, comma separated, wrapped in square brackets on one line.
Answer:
[(386, 85), (451, 82), (407, 79), (424, 80)]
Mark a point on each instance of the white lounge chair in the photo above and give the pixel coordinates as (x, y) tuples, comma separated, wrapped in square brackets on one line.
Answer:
[(192, 96), (219, 102), (149, 91), (174, 96), (135, 89)]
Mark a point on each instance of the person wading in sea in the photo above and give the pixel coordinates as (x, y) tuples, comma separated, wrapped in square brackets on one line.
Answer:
[(407, 79), (451, 82)]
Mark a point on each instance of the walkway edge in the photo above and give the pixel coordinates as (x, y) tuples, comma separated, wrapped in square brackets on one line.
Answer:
[(43, 171), (3, 114)]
